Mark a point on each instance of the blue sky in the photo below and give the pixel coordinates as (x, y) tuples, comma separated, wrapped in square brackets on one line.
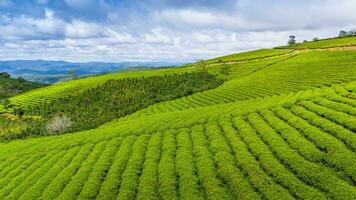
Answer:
[(159, 30)]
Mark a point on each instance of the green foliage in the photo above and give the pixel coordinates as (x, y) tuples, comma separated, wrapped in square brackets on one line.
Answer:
[(112, 181), (268, 77), (283, 127), (15, 127), (254, 149), (347, 33), (10, 86), (117, 98), (291, 40), (225, 70), (166, 167), (39, 96)]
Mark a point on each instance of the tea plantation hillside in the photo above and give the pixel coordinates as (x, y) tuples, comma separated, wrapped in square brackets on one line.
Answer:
[(284, 147), (268, 77), (36, 97), (10, 86), (282, 126)]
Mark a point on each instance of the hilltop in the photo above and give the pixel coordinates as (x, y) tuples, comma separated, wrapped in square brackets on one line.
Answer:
[(327, 43), (281, 126)]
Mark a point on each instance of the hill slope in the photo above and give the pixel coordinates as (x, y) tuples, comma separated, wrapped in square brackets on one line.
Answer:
[(282, 127), (324, 44), (268, 77), (55, 91), (291, 146), (11, 86)]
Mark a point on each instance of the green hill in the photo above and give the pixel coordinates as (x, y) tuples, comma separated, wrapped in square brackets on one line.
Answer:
[(282, 126), (117, 98), (10, 86), (324, 43), (55, 91)]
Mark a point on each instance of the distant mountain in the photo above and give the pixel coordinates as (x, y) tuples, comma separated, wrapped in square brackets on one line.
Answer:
[(53, 71)]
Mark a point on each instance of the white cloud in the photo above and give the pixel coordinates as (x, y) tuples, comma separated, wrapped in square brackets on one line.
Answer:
[(177, 33), (187, 19), (80, 29)]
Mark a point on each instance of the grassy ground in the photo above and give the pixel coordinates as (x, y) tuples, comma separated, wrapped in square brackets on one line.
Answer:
[(282, 127), (322, 44)]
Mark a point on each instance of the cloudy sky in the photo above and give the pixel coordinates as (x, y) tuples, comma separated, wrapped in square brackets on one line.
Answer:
[(161, 30)]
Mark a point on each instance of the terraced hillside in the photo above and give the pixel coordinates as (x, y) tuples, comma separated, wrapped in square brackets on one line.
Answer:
[(285, 147), (281, 127), (268, 77)]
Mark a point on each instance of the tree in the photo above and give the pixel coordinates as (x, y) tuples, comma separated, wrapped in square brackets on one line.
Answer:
[(315, 39), (20, 79), (5, 102), (59, 124), (343, 34), (225, 70), (291, 40), (5, 75), (19, 112), (351, 33), (201, 66), (305, 41), (347, 33)]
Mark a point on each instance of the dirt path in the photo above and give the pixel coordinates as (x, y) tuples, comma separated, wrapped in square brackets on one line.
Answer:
[(344, 48), (338, 48)]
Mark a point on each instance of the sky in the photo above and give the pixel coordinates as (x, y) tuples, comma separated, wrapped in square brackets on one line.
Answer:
[(161, 30)]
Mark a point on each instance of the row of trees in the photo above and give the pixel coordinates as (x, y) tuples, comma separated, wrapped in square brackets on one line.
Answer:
[(347, 33), (6, 75), (292, 39)]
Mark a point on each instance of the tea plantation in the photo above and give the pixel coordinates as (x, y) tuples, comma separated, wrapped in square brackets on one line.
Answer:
[(282, 126)]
